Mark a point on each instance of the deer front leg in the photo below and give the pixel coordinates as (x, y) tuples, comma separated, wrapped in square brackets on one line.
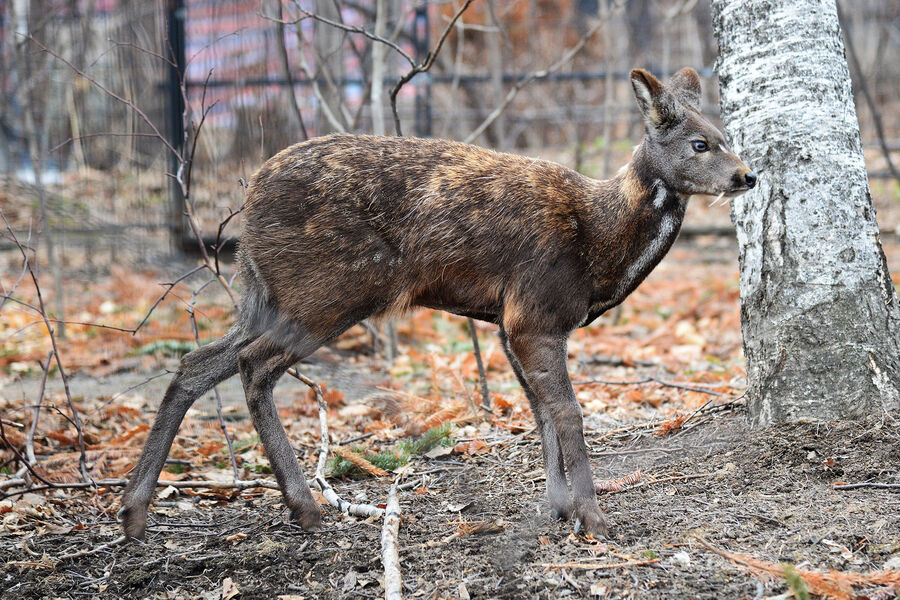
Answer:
[(543, 361), (557, 489)]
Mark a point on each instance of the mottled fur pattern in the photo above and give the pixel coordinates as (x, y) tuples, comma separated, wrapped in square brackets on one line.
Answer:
[(345, 227)]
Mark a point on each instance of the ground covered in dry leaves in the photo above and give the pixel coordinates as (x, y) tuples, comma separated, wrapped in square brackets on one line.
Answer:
[(700, 506), (478, 527)]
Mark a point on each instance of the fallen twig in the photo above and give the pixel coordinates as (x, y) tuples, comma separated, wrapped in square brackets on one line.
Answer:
[(596, 566), (390, 555), (116, 542), (99, 483), (355, 438), (865, 484), (662, 382), (677, 478), (615, 361)]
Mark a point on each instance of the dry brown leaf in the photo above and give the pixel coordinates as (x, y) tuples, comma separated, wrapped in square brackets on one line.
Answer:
[(470, 447), (501, 404), (672, 425), (210, 447), (229, 589)]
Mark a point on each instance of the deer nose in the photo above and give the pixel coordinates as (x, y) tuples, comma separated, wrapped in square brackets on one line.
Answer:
[(750, 179)]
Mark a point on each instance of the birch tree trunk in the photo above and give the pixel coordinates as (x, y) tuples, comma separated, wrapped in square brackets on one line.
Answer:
[(819, 312)]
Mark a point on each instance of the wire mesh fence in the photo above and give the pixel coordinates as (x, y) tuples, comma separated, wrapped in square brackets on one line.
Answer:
[(94, 95)]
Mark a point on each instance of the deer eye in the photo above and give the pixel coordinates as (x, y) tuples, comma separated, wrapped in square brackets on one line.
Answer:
[(699, 146)]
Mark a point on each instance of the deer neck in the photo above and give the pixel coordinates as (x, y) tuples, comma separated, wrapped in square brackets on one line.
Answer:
[(637, 218)]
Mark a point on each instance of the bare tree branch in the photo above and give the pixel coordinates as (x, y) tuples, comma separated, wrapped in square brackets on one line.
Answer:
[(111, 94), (864, 88), (286, 71), (424, 66), (350, 29), (541, 74), (76, 420), (29, 441), (312, 77)]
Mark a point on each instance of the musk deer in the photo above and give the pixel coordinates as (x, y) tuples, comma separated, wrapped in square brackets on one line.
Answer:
[(341, 228)]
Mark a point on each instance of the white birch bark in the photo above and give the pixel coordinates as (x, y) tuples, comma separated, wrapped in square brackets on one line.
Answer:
[(390, 551), (819, 312)]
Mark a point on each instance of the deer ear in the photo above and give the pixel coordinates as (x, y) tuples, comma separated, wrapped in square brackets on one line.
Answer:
[(657, 105), (685, 86)]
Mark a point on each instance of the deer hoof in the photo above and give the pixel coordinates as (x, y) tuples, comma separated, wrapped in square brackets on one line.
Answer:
[(134, 521), (309, 518), (590, 521), (561, 512)]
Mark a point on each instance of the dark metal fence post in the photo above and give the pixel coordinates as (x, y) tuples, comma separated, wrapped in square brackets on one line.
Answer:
[(422, 43), (174, 47)]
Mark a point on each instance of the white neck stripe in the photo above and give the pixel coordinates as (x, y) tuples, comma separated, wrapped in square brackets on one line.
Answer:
[(661, 193)]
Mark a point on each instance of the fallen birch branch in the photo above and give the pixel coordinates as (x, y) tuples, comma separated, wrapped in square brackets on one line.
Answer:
[(390, 555), (16, 481), (324, 448), (348, 508)]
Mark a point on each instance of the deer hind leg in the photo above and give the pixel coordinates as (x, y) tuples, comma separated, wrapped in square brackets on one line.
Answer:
[(261, 364), (198, 372), (557, 489)]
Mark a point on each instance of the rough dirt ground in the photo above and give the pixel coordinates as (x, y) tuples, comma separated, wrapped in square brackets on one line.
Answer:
[(476, 526), (766, 494)]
